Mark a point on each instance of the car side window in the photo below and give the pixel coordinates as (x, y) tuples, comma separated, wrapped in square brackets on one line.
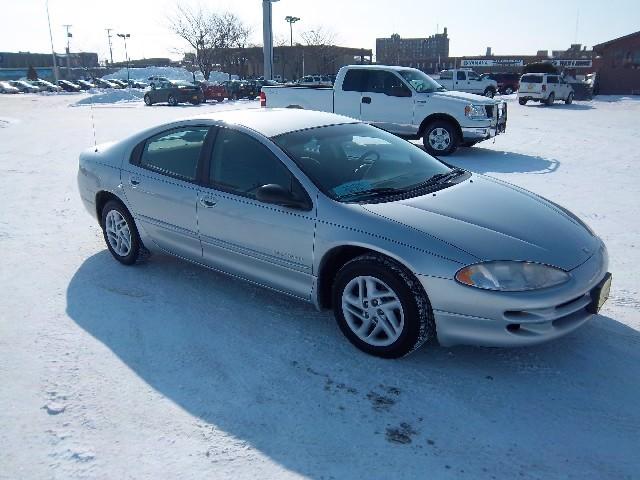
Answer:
[(240, 165), (460, 75), (446, 75), (552, 79), (473, 76), (380, 81), (175, 153), (354, 80)]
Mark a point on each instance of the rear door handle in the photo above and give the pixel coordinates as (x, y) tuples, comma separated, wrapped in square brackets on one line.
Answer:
[(366, 99), (208, 202)]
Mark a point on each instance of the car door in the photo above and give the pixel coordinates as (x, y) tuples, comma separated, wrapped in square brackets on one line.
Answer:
[(387, 102), (553, 86), (474, 83), (460, 82), (348, 98), (564, 88), (264, 243), (159, 183)]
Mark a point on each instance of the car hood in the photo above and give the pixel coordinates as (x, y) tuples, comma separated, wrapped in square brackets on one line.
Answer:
[(492, 220), (465, 97)]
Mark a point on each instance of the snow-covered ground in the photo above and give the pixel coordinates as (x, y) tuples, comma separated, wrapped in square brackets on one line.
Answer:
[(167, 370)]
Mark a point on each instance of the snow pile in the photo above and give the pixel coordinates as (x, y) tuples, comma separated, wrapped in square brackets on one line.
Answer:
[(172, 73), (111, 96)]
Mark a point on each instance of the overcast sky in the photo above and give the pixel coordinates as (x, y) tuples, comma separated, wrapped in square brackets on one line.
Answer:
[(509, 27)]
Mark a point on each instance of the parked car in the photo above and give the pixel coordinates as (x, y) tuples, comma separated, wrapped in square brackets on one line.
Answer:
[(6, 87), (174, 92), (236, 89), (68, 86), (403, 248), (544, 88), (85, 85), (461, 80), (212, 91), (120, 83), (507, 82), (137, 84), (403, 101), (45, 86), (23, 86), (155, 80), (104, 83)]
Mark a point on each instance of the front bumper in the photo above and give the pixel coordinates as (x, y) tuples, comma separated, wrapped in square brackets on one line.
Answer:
[(470, 316), (496, 126)]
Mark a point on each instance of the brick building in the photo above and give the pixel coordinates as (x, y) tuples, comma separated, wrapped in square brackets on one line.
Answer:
[(617, 63), (422, 53)]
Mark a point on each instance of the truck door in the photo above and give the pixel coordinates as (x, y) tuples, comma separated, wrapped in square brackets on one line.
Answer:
[(461, 83), (474, 83), (348, 97), (387, 102)]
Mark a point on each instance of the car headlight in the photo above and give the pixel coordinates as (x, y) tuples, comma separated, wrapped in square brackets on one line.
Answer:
[(475, 111), (510, 276)]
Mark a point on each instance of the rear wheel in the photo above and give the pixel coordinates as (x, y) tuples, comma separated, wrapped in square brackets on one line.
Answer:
[(172, 101), (381, 307), (569, 99), (522, 101), (440, 138), (508, 90), (489, 92), (220, 100), (550, 99), (120, 233)]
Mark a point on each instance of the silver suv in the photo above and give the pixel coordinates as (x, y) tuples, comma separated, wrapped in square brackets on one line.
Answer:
[(544, 88)]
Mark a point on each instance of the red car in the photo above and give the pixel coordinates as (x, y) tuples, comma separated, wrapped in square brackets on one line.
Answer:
[(212, 91)]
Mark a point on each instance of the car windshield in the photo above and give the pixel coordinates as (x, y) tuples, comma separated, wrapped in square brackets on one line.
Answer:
[(421, 82), (352, 162)]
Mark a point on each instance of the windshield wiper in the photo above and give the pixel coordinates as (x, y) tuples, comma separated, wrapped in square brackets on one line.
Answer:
[(438, 178), (369, 192)]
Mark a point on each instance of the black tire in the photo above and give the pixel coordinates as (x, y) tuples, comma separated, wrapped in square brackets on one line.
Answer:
[(171, 100), (508, 91), (147, 101), (522, 101), (569, 99), (220, 100), (489, 92), (136, 244), (453, 138), (550, 99), (419, 324)]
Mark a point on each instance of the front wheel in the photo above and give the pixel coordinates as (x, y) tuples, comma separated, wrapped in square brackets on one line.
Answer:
[(522, 101), (381, 307), (172, 101), (120, 233), (569, 99), (440, 138), (508, 90), (147, 101), (551, 99), (489, 92)]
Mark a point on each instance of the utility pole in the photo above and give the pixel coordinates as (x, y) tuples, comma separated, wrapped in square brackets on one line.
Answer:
[(69, 35), (267, 36), (109, 30), (124, 36), (53, 53)]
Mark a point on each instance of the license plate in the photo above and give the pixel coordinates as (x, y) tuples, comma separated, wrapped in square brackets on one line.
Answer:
[(600, 294), (195, 97)]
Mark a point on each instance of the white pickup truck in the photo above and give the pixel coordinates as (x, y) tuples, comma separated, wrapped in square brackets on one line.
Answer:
[(468, 81), (403, 101)]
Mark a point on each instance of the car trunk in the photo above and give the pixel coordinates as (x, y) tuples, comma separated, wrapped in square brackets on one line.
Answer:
[(532, 84)]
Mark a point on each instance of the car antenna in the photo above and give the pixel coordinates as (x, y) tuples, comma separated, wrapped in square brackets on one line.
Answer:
[(93, 122)]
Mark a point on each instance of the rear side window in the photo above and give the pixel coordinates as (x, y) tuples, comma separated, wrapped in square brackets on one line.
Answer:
[(552, 79), (461, 75), (531, 79), (446, 75), (175, 153), (354, 80)]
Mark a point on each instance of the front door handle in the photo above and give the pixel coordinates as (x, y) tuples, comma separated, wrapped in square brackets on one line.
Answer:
[(134, 182), (207, 202), (366, 99)]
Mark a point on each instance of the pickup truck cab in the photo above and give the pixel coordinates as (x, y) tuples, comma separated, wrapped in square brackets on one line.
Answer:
[(403, 101), (468, 81)]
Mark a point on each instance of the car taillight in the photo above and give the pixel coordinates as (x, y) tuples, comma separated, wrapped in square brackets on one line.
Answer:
[(544, 88), (263, 99)]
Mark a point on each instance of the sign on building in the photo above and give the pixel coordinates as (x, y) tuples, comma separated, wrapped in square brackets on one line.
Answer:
[(492, 62), (572, 63)]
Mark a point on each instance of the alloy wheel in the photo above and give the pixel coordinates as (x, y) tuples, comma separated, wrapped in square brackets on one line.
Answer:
[(439, 139), (118, 233)]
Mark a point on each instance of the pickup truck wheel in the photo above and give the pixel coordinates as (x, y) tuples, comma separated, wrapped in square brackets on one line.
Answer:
[(569, 99), (489, 92), (551, 99), (381, 307), (440, 138), (508, 90), (522, 101)]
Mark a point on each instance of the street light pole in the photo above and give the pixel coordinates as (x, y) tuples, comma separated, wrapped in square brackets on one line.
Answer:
[(291, 20), (69, 35), (267, 36), (124, 36), (53, 53), (109, 38)]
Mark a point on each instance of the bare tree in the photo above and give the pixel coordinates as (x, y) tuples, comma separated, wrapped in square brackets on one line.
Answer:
[(319, 41), (318, 36), (196, 27)]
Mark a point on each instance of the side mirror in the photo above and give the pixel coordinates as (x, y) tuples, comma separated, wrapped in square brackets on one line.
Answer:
[(278, 195), (399, 91)]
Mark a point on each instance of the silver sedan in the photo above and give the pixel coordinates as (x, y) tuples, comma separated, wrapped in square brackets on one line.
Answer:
[(402, 247)]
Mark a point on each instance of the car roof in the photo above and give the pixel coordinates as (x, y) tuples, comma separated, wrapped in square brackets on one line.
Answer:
[(271, 122)]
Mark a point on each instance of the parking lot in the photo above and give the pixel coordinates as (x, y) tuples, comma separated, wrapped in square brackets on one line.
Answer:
[(172, 371)]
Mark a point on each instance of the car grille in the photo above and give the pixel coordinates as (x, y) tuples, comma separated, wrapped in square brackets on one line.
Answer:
[(489, 109), (554, 313)]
